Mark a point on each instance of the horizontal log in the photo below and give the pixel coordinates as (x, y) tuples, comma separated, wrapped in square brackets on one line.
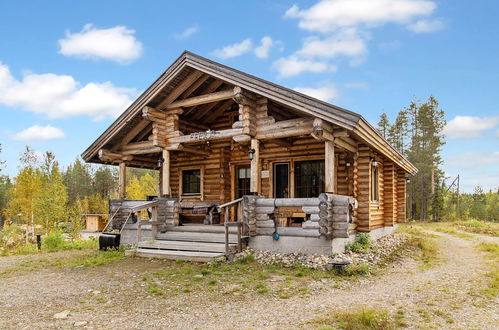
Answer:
[(310, 225), (288, 231), (202, 99), (265, 210), (311, 209), (287, 202)]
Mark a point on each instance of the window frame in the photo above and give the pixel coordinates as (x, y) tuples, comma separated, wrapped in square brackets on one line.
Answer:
[(296, 186), (184, 195), (374, 184)]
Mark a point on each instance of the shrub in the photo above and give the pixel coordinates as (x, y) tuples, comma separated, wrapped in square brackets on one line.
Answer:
[(357, 269), (361, 244)]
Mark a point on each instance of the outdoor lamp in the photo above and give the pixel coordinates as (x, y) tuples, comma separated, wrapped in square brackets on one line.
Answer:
[(160, 161), (347, 164), (408, 179), (375, 162), (251, 153)]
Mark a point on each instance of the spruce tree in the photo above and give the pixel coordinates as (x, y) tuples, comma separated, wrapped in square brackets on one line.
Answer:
[(384, 125)]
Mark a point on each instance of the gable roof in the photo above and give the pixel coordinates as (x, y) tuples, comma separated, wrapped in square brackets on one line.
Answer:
[(293, 99)]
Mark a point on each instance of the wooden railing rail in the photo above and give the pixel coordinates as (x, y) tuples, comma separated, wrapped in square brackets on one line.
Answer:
[(237, 204)]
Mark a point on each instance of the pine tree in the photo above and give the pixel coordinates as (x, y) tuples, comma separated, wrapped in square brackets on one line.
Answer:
[(384, 125), (397, 133), (78, 180), (426, 144)]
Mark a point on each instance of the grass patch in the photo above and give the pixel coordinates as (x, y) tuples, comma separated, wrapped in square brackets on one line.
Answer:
[(424, 242), (366, 318), (361, 269), (492, 289), (241, 277), (13, 242), (84, 259), (479, 227)]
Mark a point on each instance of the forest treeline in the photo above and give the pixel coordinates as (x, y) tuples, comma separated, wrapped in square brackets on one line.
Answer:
[(417, 132), (46, 196)]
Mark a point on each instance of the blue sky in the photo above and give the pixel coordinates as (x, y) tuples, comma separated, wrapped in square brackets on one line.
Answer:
[(68, 68)]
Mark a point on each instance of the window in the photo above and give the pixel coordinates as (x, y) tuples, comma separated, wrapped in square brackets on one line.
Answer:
[(191, 182), (309, 178), (243, 181), (374, 183)]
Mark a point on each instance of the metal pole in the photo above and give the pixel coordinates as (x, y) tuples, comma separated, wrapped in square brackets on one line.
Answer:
[(458, 213)]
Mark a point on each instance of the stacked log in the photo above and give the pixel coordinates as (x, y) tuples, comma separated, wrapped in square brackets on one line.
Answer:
[(249, 214), (168, 211), (339, 217)]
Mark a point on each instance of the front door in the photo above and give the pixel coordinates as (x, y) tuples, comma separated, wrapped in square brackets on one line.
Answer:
[(281, 180), (243, 178)]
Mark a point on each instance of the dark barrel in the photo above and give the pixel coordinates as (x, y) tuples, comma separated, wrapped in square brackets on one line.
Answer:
[(109, 241)]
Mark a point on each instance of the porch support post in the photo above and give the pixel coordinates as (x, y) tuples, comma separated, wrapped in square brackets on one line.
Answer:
[(165, 173), (122, 181), (255, 167), (329, 167)]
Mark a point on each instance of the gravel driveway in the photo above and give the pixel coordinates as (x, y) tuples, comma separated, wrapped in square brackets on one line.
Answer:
[(111, 297)]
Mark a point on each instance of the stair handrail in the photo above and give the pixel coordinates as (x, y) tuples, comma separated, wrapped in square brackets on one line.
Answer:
[(238, 223), (111, 219)]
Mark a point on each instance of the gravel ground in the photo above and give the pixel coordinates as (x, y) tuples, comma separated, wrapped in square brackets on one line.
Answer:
[(112, 297)]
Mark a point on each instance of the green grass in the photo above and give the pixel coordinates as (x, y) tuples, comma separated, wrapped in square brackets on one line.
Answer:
[(366, 318), (426, 244), (456, 228), (492, 289), (83, 259), (244, 276), (479, 227), (11, 243)]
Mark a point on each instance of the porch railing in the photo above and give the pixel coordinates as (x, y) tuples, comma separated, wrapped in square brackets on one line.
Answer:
[(237, 205)]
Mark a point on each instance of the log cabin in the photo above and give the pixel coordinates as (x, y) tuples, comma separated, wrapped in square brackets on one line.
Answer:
[(245, 163)]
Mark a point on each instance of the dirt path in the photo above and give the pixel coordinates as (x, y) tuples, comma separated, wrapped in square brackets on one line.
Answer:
[(443, 296)]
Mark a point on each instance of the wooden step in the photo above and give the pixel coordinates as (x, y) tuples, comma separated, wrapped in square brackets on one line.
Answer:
[(184, 246), (201, 228), (196, 237), (178, 255)]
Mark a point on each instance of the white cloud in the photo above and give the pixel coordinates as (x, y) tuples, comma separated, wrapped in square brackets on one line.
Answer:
[(329, 15), (234, 50), (187, 32), (263, 50), (39, 133), (347, 42), (292, 66), (58, 96), (426, 25), (324, 93), (497, 133), (462, 127), (117, 44), (473, 159)]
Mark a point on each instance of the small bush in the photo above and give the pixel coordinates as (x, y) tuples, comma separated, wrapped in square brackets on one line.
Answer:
[(357, 320), (361, 244), (357, 269), (245, 259)]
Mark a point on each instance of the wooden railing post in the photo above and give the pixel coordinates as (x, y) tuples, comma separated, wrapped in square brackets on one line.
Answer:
[(226, 227)]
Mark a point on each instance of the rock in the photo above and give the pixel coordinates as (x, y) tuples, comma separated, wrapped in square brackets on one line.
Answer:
[(198, 276), (80, 323), (61, 315)]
